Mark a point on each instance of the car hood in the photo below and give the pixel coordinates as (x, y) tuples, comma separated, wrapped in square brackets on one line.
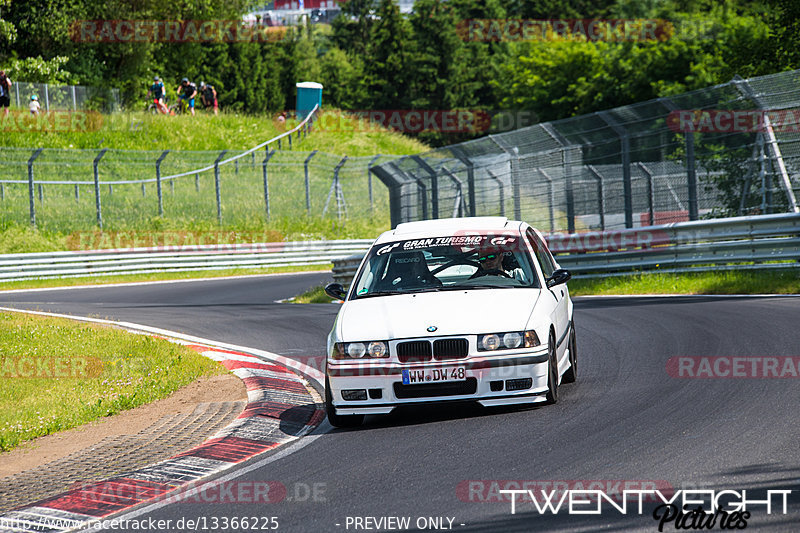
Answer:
[(451, 312)]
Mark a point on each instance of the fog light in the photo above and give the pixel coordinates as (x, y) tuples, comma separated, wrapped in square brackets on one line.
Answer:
[(354, 394), (496, 386), (519, 384), (376, 394)]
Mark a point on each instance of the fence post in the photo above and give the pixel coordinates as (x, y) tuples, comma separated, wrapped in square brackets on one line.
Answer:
[(30, 185), (3, 192), (41, 193), (110, 189), (650, 193), (625, 149), (158, 182), (279, 144), (336, 189), (369, 180), (216, 185), (551, 201), (16, 86), (290, 140), (513, 163), (458, 207), (308, 183), (501, 192), (236, 167), (77, 194), (266, 180), (434, 184), (470, 177), (46, 98), (197, 182), (144, 191), (74, 99), (600, 194), (97, 186), (691, 176), (570, 192), (422, 194)]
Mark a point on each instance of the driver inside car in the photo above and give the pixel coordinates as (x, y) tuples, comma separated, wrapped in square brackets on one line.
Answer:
[(491, 264)]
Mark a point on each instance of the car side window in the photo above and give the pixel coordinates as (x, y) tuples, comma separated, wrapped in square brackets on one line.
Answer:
[(542, 255)]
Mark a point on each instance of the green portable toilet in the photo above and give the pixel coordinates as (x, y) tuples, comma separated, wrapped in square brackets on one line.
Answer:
[(309, 95)]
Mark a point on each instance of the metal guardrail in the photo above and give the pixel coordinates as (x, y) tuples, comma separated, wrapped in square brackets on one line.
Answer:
[(18, 267), (771, 241), (767, 241)]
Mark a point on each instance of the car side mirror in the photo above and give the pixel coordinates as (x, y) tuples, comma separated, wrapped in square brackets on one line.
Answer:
[(335, 290), (559, 276)]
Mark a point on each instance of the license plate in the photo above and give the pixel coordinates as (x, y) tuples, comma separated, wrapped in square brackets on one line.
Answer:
[(421, 376)]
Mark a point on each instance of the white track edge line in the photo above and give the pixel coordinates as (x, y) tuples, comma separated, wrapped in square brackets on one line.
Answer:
[(140, 283)]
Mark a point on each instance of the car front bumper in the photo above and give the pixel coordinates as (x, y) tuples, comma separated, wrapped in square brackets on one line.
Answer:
[(493, 380)]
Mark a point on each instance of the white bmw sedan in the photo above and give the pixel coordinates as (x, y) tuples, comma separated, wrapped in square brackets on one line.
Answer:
[(463, 309)]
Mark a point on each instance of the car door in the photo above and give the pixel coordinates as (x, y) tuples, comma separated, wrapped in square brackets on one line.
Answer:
[(558, 292)]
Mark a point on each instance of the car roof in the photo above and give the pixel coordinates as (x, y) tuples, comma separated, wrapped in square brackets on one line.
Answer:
[(444, 227)]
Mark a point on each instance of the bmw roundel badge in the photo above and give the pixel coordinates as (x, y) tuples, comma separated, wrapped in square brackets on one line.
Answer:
[(432, 328)]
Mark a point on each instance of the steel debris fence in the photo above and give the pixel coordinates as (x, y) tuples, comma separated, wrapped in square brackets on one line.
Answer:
[(665, 160), (127, 189)]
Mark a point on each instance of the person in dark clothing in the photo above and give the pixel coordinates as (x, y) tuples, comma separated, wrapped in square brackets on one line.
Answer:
[(187, 92), (5, 91), (209, 96)]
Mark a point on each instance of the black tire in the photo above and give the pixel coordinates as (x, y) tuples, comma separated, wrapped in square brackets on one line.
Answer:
[(552, 372), (571, 375), (339, 421)]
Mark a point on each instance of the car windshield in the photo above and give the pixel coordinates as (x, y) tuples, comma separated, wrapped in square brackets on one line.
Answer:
[(445, 263)]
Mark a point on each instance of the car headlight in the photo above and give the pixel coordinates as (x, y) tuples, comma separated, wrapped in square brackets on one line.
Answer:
[(360, 350), (507, 341)]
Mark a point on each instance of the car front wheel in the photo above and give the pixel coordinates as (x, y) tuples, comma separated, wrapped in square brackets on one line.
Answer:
[(571, 375), (552, 372), (339, 421)]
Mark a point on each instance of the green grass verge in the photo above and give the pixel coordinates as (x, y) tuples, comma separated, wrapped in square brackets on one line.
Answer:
[(711, 282), (314, 296), (56, 374), (227, 131), (160, 276)]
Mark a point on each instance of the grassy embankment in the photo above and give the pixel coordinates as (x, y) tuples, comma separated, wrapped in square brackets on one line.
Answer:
[(130, 212), (56, 374), (64, 221)]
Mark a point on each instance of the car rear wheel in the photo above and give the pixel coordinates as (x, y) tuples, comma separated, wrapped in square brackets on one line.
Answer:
[(339, 421), (571, 375), (552, 372)]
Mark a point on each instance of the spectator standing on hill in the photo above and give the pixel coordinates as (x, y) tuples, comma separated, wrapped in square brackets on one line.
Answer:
[(5, 91), (209, 96), (34, 106)]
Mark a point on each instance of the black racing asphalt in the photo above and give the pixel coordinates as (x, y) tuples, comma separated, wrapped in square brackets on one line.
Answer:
[(625, 419)]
